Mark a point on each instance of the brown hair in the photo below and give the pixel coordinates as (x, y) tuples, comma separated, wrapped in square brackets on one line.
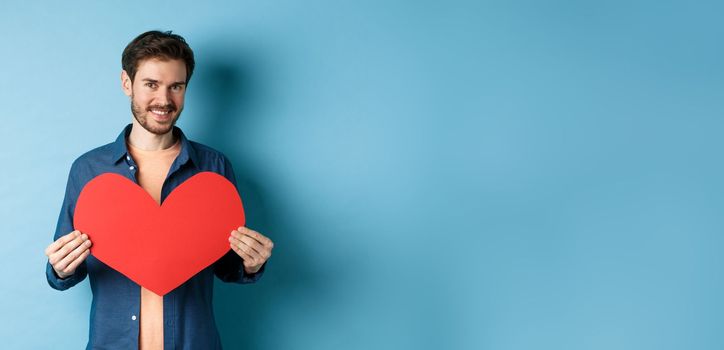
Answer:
[(159, 45)]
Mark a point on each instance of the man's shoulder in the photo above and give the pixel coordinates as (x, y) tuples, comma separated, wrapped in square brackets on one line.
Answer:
[(98, 154), (207, 154), (210, 159), (93, 162)]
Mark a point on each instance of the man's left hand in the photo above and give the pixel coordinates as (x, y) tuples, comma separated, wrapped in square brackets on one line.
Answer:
[(253, 248)]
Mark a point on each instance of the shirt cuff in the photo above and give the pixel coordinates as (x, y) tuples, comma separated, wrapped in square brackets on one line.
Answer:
[(64, 283), (251, 277)]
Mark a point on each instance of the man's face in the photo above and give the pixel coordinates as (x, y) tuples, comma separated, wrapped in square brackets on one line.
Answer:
[(157, 93)]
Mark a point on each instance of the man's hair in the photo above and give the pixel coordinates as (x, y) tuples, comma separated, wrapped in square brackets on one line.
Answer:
[(158, 45)]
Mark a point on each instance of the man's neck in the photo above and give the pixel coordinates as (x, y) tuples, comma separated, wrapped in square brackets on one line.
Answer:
[(148, 141)]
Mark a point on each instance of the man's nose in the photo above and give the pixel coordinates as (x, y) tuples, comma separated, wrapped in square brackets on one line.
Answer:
[(163, 96)]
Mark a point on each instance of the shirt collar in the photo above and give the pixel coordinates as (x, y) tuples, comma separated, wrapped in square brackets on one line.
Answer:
[(119, 148)]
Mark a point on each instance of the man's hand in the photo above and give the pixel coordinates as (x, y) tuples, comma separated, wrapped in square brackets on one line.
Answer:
[(68, 252), (252, 247)]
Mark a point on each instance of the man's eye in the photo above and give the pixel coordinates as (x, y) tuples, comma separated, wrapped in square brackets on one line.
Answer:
[(151, 85), (176, 88)]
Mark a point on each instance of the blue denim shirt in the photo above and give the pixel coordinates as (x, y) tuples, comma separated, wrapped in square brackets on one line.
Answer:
[(187, 310)]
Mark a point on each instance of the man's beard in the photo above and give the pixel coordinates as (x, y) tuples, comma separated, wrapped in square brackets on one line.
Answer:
[(142, 117)]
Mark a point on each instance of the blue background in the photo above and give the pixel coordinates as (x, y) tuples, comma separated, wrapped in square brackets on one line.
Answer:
[(435, 174)]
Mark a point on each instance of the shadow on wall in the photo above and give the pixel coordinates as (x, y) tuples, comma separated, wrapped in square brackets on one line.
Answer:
[(229, 87)]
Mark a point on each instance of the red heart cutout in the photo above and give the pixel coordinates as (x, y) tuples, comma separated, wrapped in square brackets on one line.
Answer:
[(159, 247)]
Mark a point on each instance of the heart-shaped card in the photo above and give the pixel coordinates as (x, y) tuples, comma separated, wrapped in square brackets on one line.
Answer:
[(159, 247)]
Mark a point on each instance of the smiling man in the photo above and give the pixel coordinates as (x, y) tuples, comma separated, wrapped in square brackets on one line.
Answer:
[(154, 153)]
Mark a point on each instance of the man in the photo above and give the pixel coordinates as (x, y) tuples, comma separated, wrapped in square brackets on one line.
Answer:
[(151, 151)]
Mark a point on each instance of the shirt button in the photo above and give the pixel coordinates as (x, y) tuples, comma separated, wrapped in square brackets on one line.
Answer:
[(128, 157), (131, 167), (133, 317)]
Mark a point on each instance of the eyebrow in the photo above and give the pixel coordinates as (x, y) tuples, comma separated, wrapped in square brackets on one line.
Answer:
[(156, 81)]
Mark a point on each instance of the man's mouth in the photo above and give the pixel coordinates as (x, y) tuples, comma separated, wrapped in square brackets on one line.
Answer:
[(161, 113)]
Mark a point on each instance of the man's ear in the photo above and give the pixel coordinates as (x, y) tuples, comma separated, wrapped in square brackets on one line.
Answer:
[(126, 84)]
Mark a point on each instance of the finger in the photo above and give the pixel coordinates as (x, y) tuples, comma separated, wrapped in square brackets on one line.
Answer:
[(59, 255), (246, 248), (245, 231), (60, 242), (259, 249), (239, 232), (241, 253), (74, 265), (238, 237), (263, 250), (64, 265), (256, 235), (70, 246), (253, 243)]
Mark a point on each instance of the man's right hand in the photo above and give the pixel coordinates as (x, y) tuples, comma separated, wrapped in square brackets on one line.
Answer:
[(68, 252)]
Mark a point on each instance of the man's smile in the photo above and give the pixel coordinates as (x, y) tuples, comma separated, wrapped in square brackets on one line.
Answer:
[(162, 114)]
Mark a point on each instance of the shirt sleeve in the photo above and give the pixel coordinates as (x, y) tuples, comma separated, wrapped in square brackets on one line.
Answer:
[(63, 227), (230, 267)]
